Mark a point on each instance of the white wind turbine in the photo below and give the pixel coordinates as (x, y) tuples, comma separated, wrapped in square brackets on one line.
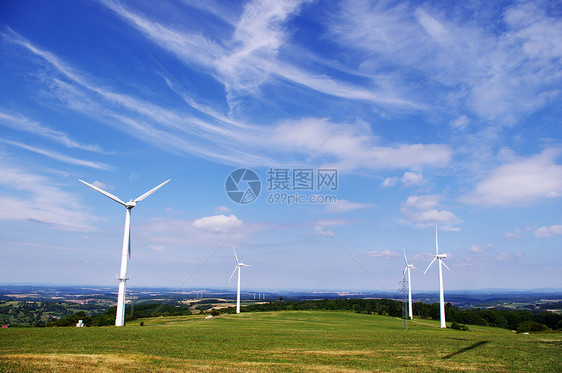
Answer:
[(238, 266), (126, 252), (440, 257), (407, 269)]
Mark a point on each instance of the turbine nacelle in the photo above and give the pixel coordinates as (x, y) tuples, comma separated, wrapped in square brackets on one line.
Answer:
[(130, 204)]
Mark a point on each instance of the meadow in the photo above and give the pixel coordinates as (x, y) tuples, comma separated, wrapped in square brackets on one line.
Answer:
[(291, 341)]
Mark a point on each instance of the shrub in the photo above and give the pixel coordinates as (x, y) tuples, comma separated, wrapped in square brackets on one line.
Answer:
[(457, 326), (531, 326)]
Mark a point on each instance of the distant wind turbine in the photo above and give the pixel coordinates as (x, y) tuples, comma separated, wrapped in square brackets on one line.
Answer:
[(440, 257), (407, 269), (238, 266), (126, 252)]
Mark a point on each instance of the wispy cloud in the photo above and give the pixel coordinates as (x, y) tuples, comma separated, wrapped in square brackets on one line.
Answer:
[(385, 254), (549, 231), (21, 123), (352, 147), (520, 181), (479, 249), (32, 197), (344, 205), (250, 55), (498, 76), (58, 156), (321, 226)]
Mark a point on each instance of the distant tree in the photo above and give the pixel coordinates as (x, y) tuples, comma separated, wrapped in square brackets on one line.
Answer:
[(72, 320), (531, 326)]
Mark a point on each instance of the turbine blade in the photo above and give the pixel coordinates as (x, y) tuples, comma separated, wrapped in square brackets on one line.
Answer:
[(138, 199), (445, 265), (235, 268), (107, 194), (405, 258), (430, 264), (236, 256), (246, 265), (404, 273)]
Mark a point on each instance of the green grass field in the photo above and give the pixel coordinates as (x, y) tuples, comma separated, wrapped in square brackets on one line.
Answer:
[(278, 341)]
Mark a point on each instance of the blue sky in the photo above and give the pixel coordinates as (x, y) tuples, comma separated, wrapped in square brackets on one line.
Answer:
[(432, 113)]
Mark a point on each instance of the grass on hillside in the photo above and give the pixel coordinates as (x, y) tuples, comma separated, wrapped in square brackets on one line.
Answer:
[(278, 341)]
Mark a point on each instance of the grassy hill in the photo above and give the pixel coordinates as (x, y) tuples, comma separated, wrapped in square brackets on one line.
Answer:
[(278, 341)]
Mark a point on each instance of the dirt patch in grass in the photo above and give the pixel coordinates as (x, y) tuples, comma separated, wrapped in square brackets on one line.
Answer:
[(72, 362), (135, 363)]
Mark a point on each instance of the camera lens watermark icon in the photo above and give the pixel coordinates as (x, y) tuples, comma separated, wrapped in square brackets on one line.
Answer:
[(243, 186)]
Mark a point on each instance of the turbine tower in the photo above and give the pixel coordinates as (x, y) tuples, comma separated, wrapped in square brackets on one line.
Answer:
[(407, 269), (238, 266), (126, 252), (440, 257)]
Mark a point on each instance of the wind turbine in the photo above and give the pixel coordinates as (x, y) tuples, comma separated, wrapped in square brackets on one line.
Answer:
[(126, 252), (440, 257), (407, 269), (238, 266)]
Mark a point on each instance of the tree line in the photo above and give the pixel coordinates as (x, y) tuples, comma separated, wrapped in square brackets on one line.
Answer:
[(520, 320), (108, 318), (501, 318)]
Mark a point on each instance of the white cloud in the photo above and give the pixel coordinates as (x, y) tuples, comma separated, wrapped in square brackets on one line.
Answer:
[(343, 205), (57, 156), (218, 223), (411, 178), (549, 231), (348, 148), (157, 247), (501, 256), (31, 197), (323, 231), (498, 75), (479, 249), (520, 181), (460, 123), (321, 226), (256, 40), (352, 147), (385, 254), (408, 179), (22, 123), (422, 211), (511, 236), (101, 185), (475, 249), (390, 182), (224, 209), (423, 257)]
